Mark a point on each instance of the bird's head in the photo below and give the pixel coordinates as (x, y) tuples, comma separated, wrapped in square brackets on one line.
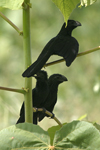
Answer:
[(57, 78), (73, 23), (41, 75), (67, 29)]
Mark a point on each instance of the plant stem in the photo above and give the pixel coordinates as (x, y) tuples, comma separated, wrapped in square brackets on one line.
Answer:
[(27, 55), (13, 90), (79, 54), (12, 24)]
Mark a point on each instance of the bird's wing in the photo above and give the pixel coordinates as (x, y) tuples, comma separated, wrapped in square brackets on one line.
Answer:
[(41, 60), (49, 106), (67, 47)]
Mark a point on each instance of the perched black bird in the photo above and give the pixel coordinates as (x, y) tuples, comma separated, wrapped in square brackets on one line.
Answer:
[(54, 81), (62, 45), (39, 95)]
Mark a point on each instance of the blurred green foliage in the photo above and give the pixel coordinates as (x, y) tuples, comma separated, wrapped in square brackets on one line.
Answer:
[(81, 94)]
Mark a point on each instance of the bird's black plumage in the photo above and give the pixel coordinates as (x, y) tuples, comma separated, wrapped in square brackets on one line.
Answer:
[(54, 81), (62, 45), (39, 95)]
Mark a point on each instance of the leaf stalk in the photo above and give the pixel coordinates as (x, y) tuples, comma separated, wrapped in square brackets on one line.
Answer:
[(22, 91), (11, 23)]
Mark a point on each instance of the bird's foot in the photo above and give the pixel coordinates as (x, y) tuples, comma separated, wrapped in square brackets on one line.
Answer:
[(44, 110), (35, 109)]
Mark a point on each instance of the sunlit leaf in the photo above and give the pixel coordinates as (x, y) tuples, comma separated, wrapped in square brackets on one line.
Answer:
[(11, 4), (66, 7)]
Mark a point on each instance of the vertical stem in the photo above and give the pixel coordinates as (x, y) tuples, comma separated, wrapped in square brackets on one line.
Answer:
[(27, 55)]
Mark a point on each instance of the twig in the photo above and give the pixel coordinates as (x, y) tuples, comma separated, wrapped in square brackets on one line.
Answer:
[(48, 113), (12, 24), (79, 54), (22, 91)]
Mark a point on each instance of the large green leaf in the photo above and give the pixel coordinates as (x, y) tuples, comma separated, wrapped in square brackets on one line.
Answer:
[(52, 131), (87, 2), (97, 126), (24, 136), (66, 7), (11, 4), (77, 135)]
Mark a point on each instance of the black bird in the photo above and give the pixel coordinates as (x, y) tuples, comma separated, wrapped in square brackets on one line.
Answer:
[(62, 45), (39, 95), (54, 81)]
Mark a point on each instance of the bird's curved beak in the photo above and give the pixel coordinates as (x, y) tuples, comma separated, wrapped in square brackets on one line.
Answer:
[(64, 78), (78, 23)]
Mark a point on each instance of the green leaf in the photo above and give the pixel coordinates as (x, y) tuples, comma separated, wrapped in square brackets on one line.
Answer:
[(97, 126), (77, 135), (11, 4), (24, 136), (66, 7), (87, 2), (52, 131)]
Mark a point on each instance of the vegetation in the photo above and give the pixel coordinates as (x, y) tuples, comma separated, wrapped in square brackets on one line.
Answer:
[(78, 97)]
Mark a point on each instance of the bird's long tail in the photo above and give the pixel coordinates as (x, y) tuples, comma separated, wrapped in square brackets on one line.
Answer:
[(40, 62), (21, 119), (37, 65), (35, 117)]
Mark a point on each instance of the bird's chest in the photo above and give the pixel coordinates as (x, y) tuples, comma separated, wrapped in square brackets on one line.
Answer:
[(39, 96)]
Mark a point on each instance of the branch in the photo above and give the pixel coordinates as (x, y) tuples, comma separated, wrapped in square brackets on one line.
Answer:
[(48, 113), (12, 24), (22, 91), (79, 54)]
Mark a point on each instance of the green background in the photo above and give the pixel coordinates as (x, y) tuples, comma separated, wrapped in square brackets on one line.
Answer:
[(81, 94)]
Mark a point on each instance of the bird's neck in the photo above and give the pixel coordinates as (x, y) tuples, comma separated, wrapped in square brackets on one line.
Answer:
[(66, 31), (54, 86), (41, 84)]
